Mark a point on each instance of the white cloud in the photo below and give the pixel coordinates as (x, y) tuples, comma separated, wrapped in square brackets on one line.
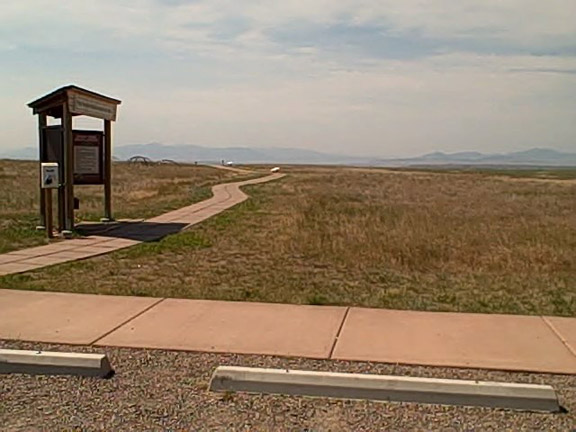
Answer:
[(210, 72)]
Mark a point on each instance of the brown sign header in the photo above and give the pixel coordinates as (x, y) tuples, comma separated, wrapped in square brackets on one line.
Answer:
[(83, 104)]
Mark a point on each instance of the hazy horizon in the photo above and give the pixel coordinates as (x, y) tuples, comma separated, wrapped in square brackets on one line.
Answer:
[(279, 155), (573, 151), (379, 79)]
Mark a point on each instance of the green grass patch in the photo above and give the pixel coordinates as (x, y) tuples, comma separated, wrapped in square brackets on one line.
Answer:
[(177, 243), (18, 232)]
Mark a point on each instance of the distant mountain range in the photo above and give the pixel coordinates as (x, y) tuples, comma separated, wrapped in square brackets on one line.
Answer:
[(535, 156), (193, 153)]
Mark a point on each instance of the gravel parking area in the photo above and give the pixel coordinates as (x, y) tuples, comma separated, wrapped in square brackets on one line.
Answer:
[(167, 391)]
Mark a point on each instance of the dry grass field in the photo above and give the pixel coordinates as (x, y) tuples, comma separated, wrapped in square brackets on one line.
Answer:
[(406, 240), (138, 192)]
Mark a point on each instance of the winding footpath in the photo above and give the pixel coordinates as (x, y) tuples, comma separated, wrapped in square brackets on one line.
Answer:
[(121, 236)]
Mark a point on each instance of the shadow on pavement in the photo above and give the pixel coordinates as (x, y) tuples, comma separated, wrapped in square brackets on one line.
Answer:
[(140, 231)]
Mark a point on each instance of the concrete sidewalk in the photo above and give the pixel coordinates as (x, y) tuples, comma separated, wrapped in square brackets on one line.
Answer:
[(121, 236), (506, 342)]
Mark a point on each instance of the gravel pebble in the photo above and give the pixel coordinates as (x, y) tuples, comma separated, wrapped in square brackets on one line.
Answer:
[(156, 390)]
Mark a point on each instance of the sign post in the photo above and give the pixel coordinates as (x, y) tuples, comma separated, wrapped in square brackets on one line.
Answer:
[(49, 179), (48, 212), (107, 171)]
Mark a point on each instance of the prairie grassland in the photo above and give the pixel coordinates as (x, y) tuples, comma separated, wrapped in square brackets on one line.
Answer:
[(423, 241), (544, 173), (138, 192)]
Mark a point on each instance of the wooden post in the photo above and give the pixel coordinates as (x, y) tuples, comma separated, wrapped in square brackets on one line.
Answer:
[(48, 202), (68, 169), (108, 170), (41, 140)]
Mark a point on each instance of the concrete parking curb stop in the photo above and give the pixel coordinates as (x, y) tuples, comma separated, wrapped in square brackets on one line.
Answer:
[(527, 397), (54, 363)]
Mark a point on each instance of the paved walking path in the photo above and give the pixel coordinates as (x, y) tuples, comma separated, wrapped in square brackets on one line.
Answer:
[(119, 236), (507, 342), (233, 168)]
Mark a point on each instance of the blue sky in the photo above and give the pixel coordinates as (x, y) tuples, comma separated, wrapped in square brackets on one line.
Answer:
[(366, 77)]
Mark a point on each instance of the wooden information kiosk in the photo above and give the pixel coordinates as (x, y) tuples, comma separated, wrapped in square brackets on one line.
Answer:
[(83, 156)]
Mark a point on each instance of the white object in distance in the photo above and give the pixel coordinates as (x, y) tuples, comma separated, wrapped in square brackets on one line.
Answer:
[(275, 169), (229, 163)]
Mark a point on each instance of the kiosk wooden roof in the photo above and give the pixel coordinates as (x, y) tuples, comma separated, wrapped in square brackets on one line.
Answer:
[(80, 101)]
